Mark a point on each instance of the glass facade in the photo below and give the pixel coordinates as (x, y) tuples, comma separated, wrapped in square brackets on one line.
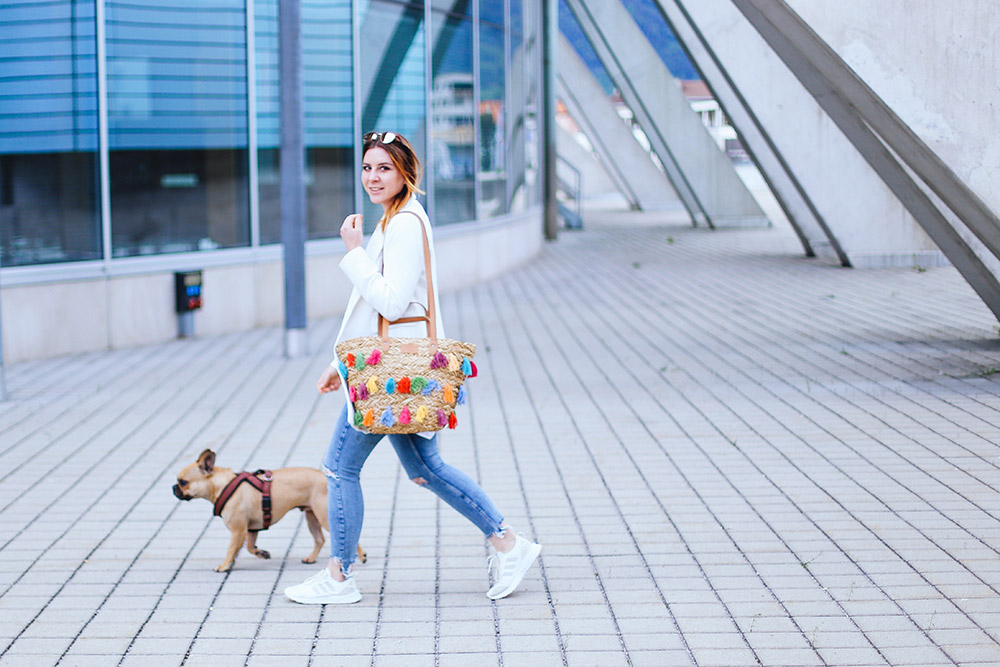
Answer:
[(149, 151), (49, 185)]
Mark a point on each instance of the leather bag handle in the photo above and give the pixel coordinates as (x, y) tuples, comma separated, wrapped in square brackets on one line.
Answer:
[(430, 313)]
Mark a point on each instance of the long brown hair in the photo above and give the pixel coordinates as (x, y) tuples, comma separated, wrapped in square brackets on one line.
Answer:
[(404, 158)]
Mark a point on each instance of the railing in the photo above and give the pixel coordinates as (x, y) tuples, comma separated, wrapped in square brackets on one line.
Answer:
[(570, 191)]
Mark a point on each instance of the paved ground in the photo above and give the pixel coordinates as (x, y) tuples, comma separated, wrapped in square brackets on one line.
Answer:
[(732, 456)]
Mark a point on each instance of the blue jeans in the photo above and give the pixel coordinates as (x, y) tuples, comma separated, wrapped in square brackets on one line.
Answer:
[(348, 451)]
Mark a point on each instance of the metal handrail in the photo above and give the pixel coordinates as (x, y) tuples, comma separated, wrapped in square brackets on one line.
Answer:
[(575, 191)]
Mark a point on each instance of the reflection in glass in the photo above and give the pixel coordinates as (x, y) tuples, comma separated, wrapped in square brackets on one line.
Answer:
[(177, 111), (49, 201), (393, 81), (516, 114), (327, 63), (492, 121), (452, 146)]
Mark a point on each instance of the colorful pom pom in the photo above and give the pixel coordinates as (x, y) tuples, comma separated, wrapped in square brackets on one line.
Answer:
[(460, 399), (403, 386), (358, 418), (404, 415), (369, 418), (362, 392), (354, 394), (374, 357), (442, 417), (390, 386), (453, 363), (452, 420), (372, 384), (417, 384), (466, 366), (421, 414), (350, 359), (386, 419), (431, 387), (449, 394), (342, 369), (439, 361)]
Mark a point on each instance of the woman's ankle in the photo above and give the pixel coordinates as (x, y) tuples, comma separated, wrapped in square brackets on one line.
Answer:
[(335, 569), (504, 540)]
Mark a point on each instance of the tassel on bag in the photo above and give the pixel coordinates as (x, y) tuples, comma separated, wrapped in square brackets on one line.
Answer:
[(404, 386), (460, 399), (374, 357), (362, 392), (431, 387), (386, 419), (342, 369), (475, 371), (453, 363), (350, 359), (358, 418), (439, 361), (452, 420), (354, 394), (372, 384), (421, 414), (369, 418), (417, 384), (390, 386), (404, 415), (449, 394), (442, 418), (359, 363), (466, 366)]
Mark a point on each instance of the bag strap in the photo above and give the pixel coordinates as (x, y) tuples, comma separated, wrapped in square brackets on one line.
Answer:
[(430, 313)]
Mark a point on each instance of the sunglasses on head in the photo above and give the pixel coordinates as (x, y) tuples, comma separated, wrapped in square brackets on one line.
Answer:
[(383, 137)]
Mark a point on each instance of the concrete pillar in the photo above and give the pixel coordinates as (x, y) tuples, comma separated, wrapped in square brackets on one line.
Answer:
[(702, 175), (815, 235), (627, 163)]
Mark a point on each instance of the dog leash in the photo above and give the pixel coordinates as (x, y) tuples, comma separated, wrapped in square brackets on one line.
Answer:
[(262, 484)]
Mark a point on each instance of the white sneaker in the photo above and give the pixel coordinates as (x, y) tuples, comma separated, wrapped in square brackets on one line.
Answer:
[(321, 588), (509, 568)]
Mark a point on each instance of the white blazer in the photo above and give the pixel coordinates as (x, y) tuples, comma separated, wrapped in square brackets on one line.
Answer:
[(389, 277)]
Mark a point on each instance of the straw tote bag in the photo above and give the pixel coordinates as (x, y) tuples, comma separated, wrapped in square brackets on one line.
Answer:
[(406, 385)]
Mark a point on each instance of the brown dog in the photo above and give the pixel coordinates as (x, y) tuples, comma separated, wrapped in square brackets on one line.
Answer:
[(304, 488)]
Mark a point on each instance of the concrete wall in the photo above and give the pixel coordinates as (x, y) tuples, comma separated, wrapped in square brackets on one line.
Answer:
[(82, 314), (870, 224), (937, 66)]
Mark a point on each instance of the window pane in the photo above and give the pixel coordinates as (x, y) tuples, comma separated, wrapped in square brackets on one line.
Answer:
[(327, 64), (49, 195), (492, 138), (516, 114), (177, 111), (453, 129), (393, 83)]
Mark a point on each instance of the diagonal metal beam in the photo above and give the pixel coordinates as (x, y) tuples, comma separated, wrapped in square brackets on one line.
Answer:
[(808, 222), (873, 128)]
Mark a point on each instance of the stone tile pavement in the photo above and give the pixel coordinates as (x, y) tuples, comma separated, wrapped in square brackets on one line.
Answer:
[(732, 455)]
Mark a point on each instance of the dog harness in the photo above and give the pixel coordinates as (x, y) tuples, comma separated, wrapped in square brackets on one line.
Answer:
[(262, 483)]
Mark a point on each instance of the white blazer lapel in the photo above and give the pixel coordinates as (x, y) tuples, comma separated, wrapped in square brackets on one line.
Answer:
[(374, 250)]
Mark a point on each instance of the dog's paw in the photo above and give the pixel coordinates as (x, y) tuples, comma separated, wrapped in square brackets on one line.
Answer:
[(263, 554)]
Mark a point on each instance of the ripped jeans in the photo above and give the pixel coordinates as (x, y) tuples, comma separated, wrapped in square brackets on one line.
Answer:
[(349, 449)]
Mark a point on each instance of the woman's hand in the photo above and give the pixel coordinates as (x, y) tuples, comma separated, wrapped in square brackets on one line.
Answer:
[(329, 381), (351, 232)]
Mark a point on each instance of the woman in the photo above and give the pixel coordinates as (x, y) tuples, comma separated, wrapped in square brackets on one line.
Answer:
[(390, 174)]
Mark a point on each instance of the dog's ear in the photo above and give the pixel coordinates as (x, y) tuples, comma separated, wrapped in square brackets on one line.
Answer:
[(206, 462)]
